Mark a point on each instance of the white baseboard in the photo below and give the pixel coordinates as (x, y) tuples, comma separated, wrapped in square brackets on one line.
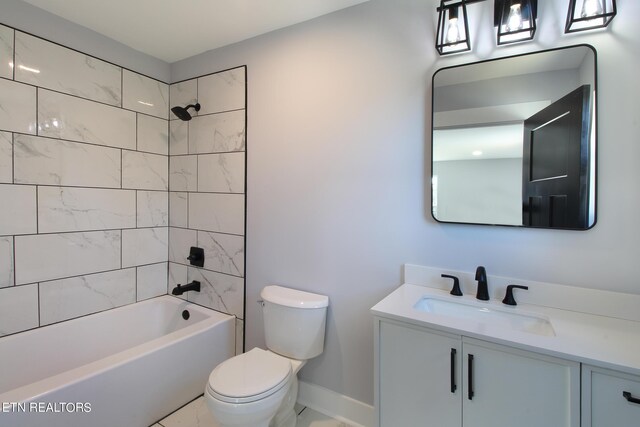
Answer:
[(335, 405)]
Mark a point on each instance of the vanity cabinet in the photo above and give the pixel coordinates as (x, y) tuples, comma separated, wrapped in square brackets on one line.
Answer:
[(429, 378), (414, 377), (609, 398)]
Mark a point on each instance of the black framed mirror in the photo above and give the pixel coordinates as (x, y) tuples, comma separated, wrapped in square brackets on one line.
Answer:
[(514, 140)]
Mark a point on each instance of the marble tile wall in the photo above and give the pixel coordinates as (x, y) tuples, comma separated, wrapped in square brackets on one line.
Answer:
[(207, 162), (84, 185)]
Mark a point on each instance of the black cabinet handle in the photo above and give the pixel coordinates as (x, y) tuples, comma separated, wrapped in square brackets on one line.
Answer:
[(470, 378), (453, 370), (630, 398)]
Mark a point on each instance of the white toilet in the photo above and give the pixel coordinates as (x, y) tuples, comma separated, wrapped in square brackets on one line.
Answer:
[(260, 387)]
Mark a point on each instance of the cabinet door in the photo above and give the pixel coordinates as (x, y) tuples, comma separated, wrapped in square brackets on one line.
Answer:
[(506, 387), (605, 402), (414, 383)]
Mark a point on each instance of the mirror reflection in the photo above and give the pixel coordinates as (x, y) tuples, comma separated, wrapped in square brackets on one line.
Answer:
[(513, 141)]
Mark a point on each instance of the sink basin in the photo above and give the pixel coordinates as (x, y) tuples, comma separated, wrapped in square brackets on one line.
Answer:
[(488, 315)]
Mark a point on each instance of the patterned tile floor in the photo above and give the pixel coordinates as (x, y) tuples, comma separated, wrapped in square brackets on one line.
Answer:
[(196, 414)]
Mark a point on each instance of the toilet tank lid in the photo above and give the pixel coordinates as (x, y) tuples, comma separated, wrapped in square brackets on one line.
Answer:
[(293, 297)]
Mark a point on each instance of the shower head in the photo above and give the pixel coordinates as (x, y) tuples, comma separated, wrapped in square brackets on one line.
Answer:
[(182, 113)]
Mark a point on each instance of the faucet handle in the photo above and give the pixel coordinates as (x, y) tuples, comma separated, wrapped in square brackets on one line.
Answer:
[(456, 285), (508, 298)]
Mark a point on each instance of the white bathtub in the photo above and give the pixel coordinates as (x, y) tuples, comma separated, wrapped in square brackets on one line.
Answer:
[(127, 367)]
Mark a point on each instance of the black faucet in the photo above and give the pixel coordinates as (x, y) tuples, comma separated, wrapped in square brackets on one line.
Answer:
[(481, 277), (193, 286)]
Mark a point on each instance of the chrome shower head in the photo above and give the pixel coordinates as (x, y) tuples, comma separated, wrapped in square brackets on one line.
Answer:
[(182, 113)]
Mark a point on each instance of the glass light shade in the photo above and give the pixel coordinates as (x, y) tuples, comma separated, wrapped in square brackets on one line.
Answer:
[(453, 28), (589, 14), (515, 19)]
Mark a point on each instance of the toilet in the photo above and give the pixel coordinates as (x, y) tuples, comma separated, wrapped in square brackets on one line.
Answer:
[(259, 388)]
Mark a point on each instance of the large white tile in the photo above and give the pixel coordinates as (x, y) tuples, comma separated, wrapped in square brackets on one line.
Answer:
[(311, 418), (56, 256), (177, 276), (153, 134), (218, 291), (68, 298), (18, 213), (180, 241), (144, 171), (144, 246), (183, 173), (223, 213), (18, 309), (222, 252), (6, 157), (145, 95), (217, 133), (222, 91), (6, 52), (183, 94), (178, 209), (195, 414), (178, 137), (6, 261), (221, 173), (57, 162), (76, 119), (17, 107), (63, 209), (52, 66), (152, 281), (153, 208)]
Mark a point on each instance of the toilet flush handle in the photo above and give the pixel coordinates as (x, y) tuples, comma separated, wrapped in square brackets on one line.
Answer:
[(261, 302)]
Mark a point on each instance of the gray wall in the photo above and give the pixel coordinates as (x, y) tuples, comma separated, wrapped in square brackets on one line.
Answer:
[(339, 124)]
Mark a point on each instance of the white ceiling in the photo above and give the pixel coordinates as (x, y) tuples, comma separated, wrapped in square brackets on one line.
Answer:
[(172, 30)]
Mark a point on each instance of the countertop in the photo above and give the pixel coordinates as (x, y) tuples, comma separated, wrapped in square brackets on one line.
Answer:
[(591, 339)]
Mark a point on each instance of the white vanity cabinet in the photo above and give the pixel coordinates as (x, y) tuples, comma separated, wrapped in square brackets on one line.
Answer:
[(609, 398), (433, 379), (415, 386), (507, 387)]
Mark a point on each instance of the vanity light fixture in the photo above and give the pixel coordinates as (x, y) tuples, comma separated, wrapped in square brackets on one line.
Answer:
[(589, 14), (453, 27), (515, 20)]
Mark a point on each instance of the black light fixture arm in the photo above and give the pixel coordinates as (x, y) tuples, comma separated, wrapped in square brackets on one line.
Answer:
[(457, 3), (497, 7)]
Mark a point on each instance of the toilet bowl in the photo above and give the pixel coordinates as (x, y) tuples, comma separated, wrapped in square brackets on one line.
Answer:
[(253, 389), (259, 388)]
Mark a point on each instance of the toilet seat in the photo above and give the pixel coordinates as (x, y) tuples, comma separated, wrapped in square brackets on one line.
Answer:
[(249, 377)]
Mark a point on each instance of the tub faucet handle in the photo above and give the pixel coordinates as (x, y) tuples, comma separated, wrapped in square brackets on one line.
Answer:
[(196, 256)]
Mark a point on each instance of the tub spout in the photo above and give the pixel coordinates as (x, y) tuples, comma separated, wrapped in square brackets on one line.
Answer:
[(193, 286)]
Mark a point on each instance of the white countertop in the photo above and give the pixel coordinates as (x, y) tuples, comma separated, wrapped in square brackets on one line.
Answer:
[(595, 340)]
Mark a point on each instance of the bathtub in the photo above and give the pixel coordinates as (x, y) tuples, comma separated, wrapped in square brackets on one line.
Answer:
[(126, 367)]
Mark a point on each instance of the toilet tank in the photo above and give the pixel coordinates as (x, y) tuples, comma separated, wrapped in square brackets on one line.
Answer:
[(294, 321)]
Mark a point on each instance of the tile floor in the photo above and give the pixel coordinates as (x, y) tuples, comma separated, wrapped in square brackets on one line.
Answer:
[(196, 414)]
